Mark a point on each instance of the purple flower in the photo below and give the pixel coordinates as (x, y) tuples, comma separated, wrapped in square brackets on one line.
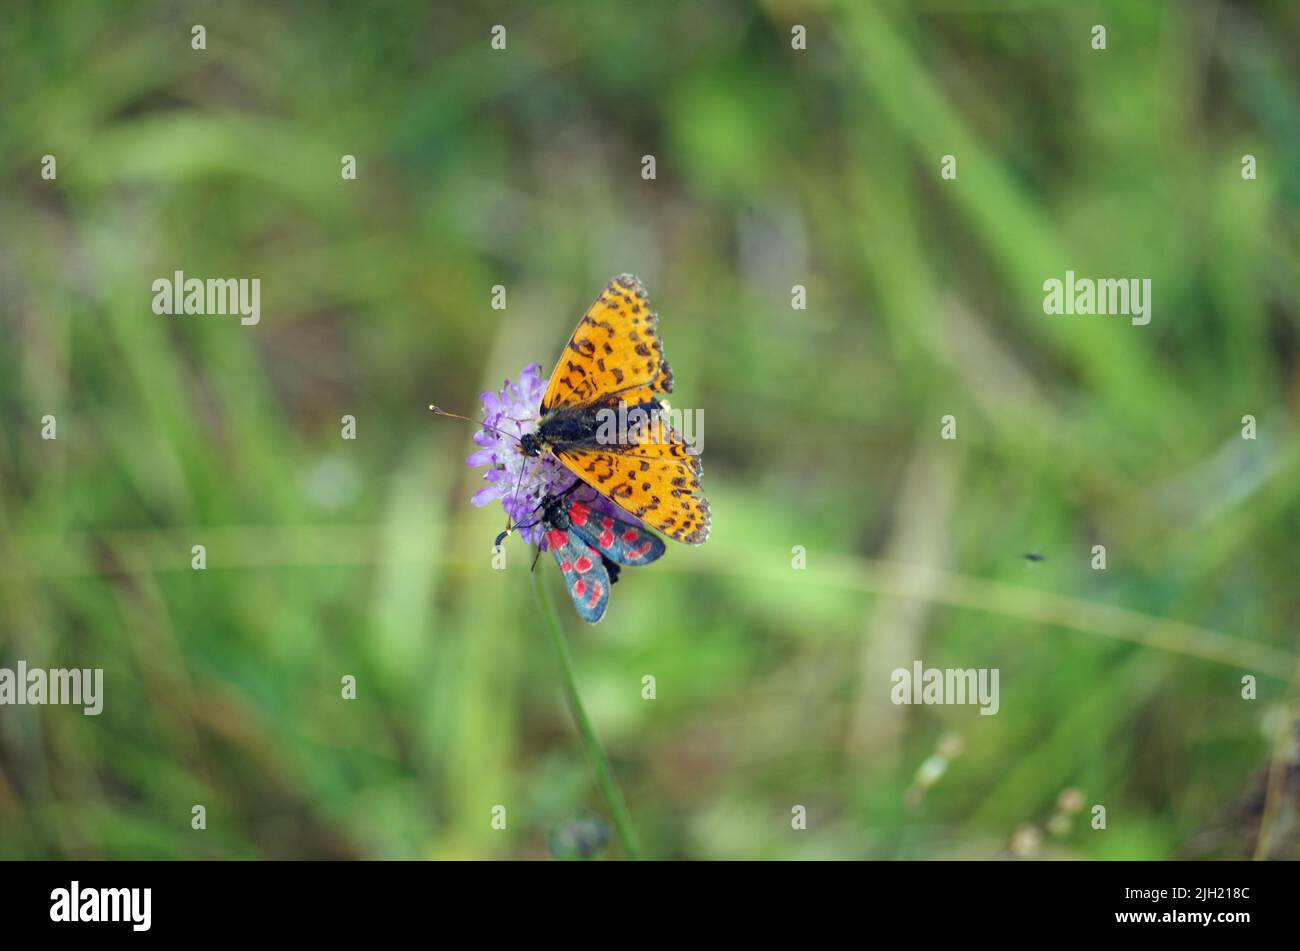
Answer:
[(518, 481)]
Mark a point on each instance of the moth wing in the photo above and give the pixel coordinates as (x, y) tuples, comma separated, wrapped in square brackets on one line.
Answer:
[(584, 573), (616, 539)]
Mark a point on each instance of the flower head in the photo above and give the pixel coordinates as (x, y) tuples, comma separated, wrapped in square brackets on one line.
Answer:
[(518, 481)]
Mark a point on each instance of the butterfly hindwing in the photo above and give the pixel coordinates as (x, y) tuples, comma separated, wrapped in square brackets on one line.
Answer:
[(661, 490), (614, 353), (652, 475), (616, 539), (584, 572)]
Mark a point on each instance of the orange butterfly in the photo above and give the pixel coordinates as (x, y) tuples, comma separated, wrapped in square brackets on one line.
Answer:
[(615, 361)]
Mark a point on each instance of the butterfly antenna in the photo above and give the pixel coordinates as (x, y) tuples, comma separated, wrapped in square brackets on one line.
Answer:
[(440, 411)]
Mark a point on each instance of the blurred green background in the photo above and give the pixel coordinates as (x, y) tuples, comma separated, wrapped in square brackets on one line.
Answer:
[(775, 167)]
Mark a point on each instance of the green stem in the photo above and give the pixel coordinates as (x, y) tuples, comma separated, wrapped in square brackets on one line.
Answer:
[(604, 775)]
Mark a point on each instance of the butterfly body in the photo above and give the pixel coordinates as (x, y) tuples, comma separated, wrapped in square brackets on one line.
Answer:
[(570, 428), (590, 546), (614, 364)]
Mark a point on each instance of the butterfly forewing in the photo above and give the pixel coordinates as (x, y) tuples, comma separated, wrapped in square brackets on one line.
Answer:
[(614, 353), (584, 572)]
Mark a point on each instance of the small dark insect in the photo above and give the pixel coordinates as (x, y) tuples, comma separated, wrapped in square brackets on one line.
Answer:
[(1035, 556), (580, 839)]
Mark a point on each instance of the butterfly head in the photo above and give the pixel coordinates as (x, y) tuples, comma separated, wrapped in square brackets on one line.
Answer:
[(531, 444)]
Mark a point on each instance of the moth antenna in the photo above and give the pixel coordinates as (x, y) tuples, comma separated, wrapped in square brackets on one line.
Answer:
[(512, 528)]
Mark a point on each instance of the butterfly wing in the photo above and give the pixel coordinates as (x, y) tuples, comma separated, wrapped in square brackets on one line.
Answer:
[(584, 573), (614, 353), (617, 540), (652, 476)]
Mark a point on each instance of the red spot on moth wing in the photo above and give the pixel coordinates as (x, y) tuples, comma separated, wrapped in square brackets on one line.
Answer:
[(579, 587), (556, 539), (579, 513), (596, 590), (566, 565), (606, 538), (607, 523), (631, 535), (639, 552), (583, 564)]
